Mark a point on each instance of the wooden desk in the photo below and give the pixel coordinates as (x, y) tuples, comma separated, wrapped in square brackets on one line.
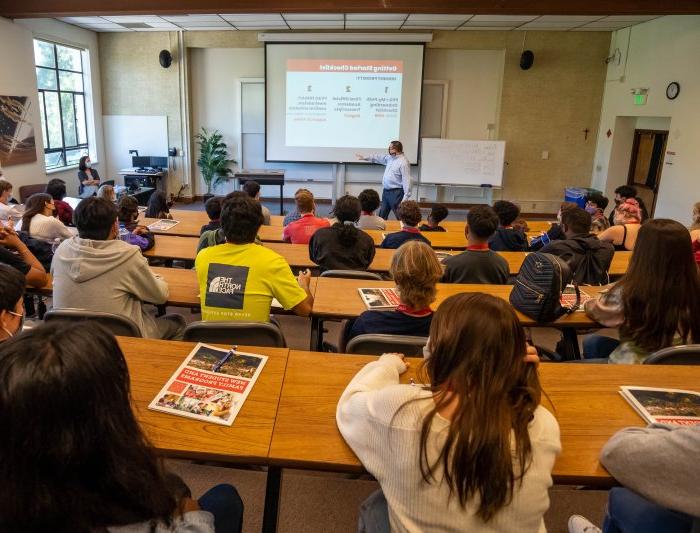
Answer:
[(152, 362), (585, 401), (173, 247), (190, 222)]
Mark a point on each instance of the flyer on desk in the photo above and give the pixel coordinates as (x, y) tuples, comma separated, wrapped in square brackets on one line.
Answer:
[(380, 298), (664, 406), (211, 384), (163, 224)]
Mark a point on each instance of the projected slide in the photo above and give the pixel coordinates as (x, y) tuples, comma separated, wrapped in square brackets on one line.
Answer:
[(338, 103)]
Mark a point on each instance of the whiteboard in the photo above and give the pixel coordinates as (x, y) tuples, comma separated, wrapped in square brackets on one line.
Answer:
[(457, 162), (147, 134)]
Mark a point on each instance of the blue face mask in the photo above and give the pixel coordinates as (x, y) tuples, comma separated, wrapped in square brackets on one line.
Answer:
[(592, 210)]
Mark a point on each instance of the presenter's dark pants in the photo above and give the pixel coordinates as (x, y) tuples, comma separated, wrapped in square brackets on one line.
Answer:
[(391, 198)]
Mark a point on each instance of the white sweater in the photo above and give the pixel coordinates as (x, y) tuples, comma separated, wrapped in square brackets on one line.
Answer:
[(389, 450), (47, 228)]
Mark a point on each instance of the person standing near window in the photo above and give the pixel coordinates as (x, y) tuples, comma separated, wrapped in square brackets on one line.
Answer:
[(88, 176)]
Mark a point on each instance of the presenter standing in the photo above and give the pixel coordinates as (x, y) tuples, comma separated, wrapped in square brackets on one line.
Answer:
[(397, 178)]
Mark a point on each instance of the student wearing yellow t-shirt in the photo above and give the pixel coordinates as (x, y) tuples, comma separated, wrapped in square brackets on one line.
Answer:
[(239, 279)]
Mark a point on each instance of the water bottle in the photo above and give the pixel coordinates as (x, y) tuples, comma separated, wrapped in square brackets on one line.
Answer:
[(123, 233)]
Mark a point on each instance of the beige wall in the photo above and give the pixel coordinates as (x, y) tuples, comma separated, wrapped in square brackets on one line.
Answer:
[(543, 109), (134, 83)]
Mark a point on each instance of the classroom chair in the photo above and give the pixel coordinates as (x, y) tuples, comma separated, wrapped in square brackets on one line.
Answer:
[(685, 354), (351, 274), (234, 332), (115, 324), (25, 191), (377, 344)]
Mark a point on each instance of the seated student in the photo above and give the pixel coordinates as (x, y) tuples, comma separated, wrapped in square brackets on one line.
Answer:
[(158, 206), (15, 253), (252, 188), (56, 188), (213, 209), (342, 246), (239, 279), (98, 272), (655, 304), (370, 202), (300, 231), (437, 214), (39, 222), (416, 270), (520, 224), (409, 215), (294, 215), (12, 284), (628, 219), (695, 226), (658, 469), (128, 215), (7, 211), (588, 258), (506, 238), (107, 192), (84, 459), (555, 231), (596, 204), (483, 399), (478, 264), (212, 237), (622, 193)]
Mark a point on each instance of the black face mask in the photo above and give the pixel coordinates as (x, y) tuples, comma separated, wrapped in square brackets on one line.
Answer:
[(618, 202)]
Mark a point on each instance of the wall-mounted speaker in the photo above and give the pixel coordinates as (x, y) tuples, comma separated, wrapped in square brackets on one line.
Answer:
[(165, 58), (527, 58)]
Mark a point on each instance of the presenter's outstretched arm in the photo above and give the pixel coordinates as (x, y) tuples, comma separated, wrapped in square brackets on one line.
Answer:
[(362, 157)]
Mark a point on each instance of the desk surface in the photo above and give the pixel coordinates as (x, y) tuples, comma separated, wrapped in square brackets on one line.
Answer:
[(339, 298), (152, 362), (585, 401)]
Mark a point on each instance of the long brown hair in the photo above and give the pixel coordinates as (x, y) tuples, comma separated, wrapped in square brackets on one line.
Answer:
[(477, 354), (661, 287), (416, 270), (34, 205)]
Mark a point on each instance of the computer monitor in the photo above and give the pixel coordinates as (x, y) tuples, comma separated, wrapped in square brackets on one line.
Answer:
[(140, 162), (159, 162)]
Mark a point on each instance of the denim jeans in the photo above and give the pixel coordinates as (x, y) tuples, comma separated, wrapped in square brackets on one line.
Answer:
[(598, 346), (226, 505), (391, 199), (630, 513), (374, 514)]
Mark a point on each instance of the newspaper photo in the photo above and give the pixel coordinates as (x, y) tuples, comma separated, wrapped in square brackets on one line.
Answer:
[(568, 297), (163, 224), (211, 384), (664, 406), (380, 298)]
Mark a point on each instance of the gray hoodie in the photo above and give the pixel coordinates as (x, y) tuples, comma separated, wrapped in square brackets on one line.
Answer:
[(110, 276)]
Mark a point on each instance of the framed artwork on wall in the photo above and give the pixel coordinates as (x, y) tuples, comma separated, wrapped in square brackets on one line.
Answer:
[(17, 143)]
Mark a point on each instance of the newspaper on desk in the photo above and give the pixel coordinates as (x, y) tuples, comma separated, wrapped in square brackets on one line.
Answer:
[(664, 406), (210, 385), (163, 224)]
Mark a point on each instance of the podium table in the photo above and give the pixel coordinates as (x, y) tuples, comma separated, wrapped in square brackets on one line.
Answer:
[(263, 177)]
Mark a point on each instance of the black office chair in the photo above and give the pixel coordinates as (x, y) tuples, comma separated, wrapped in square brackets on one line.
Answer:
[(108, 182), (351, 274), (115, 324), (377, 344), (685, 354), (234, 332)]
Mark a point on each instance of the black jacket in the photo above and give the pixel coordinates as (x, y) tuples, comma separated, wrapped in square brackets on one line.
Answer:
[(588, 257), (508, 240)]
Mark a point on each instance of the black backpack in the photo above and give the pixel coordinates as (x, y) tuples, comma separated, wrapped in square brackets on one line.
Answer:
[(42, 250), (538, 287)]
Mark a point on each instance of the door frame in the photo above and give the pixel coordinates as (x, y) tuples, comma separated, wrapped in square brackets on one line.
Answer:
[(633, 160)]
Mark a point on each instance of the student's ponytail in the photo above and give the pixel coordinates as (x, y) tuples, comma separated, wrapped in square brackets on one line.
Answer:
[(347, 210)]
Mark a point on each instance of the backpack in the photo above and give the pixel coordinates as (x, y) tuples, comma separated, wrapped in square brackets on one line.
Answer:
[(42, 250), (538, 287), (589, 271)]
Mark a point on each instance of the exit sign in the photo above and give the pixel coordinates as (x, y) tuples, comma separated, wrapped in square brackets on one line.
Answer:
[(640, 99)]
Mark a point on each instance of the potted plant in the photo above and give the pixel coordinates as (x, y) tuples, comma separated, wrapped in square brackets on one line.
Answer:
[(212, 161)]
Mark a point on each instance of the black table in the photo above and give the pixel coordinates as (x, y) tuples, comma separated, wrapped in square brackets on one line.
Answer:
[(263, 177)]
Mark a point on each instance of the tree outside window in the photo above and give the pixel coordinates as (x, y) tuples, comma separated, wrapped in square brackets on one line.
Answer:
[(59, 74)]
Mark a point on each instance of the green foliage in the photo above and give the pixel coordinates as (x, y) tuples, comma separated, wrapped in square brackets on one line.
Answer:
[(212, 159)]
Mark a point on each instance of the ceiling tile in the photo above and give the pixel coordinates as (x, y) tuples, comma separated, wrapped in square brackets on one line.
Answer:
[(573, 19), (205, 24), (105, 26), (457, 19), (494, 23), (502, 18), (387, 24), (133, 18), (83, 20), (485, 28), (192, 18), (638, 18), (537, 25), (313, 16), (584, 28), (610, 24), (375, 16), (210, 28), (256, 17), (258, 25), (315, 24)]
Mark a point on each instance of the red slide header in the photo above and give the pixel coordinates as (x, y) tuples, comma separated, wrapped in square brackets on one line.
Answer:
[(341, 65)]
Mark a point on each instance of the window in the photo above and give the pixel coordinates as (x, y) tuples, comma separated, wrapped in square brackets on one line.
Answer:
[(59, 75)]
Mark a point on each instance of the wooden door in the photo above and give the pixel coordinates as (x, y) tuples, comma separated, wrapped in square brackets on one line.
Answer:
[(646, 164)]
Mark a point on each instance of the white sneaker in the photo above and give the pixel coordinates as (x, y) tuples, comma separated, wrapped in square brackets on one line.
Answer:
[(579, 524)]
